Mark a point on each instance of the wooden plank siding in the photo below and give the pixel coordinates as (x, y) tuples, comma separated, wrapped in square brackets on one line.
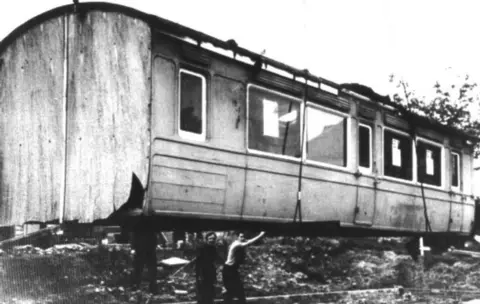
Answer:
[(75, 133), (108, 112), (263, 187), (32, 125)]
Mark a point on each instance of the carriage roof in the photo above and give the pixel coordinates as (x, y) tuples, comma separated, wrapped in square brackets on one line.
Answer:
[(181, 31)]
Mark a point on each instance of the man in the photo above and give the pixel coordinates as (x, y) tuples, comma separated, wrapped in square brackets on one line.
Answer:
[(142, 230), (145, 245), (206, 274), (231, 276)]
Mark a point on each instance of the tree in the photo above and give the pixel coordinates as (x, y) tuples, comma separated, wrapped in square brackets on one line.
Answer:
[(451, 103)]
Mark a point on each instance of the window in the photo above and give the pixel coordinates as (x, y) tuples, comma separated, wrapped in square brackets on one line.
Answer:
[(192, 105), (397, 155), (429, 164), (326, 137), (365, 147), (273, 122), (455, 169)]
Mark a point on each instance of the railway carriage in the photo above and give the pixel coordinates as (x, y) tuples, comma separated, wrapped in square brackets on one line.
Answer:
[(216, 135)]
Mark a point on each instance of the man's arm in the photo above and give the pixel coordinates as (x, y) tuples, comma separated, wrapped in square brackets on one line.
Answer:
[(251, 241)]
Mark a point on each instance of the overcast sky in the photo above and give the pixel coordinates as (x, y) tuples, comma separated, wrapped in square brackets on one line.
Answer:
[(343, 41)]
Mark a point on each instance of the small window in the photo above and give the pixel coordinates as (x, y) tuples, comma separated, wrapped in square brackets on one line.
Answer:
[(429, 164), (273, 122), (397, 155), (326, 137), (455, 169), (192, 105), (365, 147)]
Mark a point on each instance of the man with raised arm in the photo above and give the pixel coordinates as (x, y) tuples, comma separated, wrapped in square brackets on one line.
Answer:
[(231, 277)]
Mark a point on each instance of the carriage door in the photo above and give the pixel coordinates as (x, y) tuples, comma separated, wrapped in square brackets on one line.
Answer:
[(365, 192)]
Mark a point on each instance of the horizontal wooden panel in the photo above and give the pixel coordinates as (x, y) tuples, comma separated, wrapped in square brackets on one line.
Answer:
[(185, 193), (282, 83), (186, 208), (456, 143), (178, 176), (270, 195), (195, 55), (231, 178), (196, 152), (329, 100), (367, 112), (430, 134), (396, 122)]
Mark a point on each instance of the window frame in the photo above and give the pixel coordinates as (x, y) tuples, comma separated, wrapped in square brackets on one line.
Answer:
[(442, 163), (414, 158), (247, 124), (347, 138), (369, 169), (186, 134), (459, 171)]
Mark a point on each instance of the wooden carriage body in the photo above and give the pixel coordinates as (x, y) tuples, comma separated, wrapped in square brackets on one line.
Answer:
[(93, 92)]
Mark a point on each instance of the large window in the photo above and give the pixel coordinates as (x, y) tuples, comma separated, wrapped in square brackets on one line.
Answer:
[(429, 164), (365, 147), (273, 122), (326, 137), (397, 155), (455, 169), (192, 105)]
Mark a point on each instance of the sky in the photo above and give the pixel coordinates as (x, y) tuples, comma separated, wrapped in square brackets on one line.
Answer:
[(342, 40)]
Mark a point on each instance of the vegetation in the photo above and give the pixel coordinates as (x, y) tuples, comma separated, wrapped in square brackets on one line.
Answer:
[(454, 103)]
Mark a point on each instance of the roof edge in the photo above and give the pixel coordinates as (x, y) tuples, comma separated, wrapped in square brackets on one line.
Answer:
[(181, 30)]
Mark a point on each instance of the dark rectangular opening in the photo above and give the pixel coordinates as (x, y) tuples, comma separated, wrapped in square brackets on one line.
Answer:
[(192, 102), (429, 165), (455, 157), (397, 155), (364, 146)]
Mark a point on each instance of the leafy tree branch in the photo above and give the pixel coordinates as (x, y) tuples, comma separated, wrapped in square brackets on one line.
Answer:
[(451, 104)]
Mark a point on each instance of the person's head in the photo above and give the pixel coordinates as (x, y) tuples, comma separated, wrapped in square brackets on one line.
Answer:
[(240, 235), (211, 238)]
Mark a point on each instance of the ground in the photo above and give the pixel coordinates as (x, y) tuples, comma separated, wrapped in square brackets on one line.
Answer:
[(81, 272)]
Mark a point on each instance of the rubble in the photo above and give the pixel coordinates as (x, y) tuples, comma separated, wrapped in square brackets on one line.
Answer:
[(73, 247), (279, 266)]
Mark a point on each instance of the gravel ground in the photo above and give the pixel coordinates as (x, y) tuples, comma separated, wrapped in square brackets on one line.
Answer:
[(82, 272)]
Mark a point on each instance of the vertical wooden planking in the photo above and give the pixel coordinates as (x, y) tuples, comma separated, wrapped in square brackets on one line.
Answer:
[(108, 112), (227, 119), (164, 97), (467, 174), (31, 125)]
